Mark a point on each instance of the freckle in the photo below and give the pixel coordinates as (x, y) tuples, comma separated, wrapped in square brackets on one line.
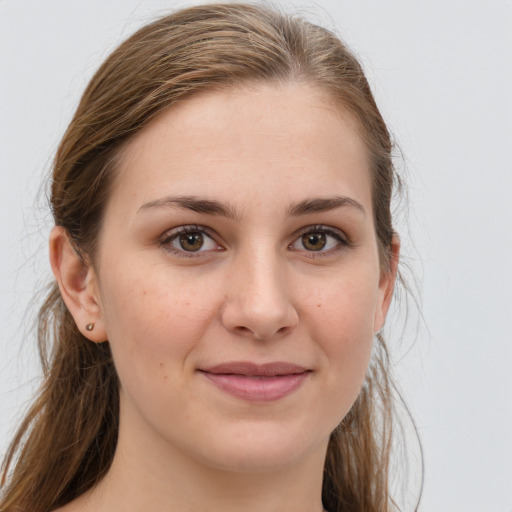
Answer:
[(166, 377), (161, 365)]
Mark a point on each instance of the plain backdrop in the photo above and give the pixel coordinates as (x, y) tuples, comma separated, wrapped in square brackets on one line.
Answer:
[(441, 71)]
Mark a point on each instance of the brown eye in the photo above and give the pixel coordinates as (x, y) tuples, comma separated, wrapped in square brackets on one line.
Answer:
[(191, 242), (314, 241), (323, 240)]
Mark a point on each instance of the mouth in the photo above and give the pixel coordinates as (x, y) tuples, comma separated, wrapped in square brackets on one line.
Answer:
[(257, 383)]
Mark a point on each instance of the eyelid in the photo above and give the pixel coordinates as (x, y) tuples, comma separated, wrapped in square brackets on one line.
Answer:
[(342, 238), (171, 234)]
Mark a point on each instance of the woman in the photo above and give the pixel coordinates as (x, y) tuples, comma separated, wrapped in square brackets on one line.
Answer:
[(224, 258)]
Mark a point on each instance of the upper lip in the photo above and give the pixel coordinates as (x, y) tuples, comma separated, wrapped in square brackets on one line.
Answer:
[(253, 370)]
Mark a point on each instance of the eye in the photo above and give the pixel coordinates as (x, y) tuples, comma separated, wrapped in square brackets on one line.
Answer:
[(187, 240), (320, 239)]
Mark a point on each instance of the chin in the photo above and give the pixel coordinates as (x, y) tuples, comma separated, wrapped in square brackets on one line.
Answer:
[(260, 449)]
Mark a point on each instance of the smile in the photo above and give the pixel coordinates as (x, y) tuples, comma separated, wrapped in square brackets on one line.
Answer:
[(257, 383)]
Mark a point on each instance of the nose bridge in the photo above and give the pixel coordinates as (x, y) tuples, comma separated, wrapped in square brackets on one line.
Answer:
[(264, 281), (258, 302)]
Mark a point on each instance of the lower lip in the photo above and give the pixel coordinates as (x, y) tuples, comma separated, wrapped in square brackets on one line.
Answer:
[(256, 388)]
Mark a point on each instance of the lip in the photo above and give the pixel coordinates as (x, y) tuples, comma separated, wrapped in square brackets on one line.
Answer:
[(254, 382)]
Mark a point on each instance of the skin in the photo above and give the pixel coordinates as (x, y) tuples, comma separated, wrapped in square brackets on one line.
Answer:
[(254, 291)]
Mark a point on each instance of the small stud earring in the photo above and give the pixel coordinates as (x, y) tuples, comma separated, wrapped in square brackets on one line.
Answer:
[(89, 327)]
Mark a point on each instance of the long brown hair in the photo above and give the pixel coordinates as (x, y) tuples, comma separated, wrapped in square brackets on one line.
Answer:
[(67, 441)]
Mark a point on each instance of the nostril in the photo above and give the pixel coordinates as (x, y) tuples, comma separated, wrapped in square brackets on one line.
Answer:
[(261, 335), (261, 320), (242, 330)]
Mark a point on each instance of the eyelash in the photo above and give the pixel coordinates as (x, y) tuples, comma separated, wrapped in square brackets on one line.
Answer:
[(342, 241), (173, 234)]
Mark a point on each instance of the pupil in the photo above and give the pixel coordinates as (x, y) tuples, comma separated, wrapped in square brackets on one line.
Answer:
[(314, 241), (191, 241)]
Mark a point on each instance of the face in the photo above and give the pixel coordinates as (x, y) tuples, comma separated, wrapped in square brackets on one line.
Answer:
[(238, 277)]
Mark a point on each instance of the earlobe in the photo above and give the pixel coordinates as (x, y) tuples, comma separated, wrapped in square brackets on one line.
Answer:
[(78, 285), (387, 285)]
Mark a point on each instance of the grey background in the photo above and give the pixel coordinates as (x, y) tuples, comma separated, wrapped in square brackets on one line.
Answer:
[(442, 74)]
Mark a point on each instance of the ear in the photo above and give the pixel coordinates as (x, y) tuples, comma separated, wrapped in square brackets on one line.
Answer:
[(387, 285), (78, 285)]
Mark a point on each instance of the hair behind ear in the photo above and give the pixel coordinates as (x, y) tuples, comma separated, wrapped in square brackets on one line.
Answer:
[(67, 441)]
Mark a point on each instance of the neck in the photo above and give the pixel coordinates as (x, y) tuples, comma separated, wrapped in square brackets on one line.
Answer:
[(151, 475)]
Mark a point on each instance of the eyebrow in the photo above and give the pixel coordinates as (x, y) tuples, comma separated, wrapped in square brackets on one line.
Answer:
[(195, 204), (213, 207), (320, 205)]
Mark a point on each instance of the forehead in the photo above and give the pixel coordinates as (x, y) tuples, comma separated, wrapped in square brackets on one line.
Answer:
[(269, 141)]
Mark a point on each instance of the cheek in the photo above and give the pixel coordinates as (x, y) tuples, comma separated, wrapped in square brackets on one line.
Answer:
[(153, 324), (344, 309), (341, 323)]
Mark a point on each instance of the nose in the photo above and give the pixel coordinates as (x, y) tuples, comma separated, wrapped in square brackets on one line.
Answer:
[(258, 301)]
